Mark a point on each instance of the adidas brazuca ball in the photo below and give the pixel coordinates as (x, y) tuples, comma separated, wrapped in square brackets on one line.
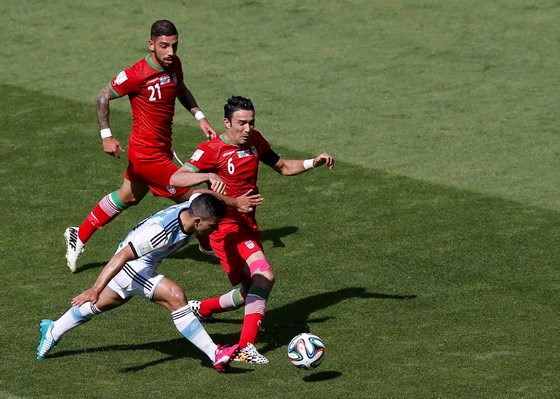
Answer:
[(306, 351)]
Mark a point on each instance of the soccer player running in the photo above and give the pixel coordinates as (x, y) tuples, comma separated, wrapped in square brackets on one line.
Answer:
[(132, 271), (152, 85), (230, 163)]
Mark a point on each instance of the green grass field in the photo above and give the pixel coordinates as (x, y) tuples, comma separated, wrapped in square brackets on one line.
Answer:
[(427, 260)]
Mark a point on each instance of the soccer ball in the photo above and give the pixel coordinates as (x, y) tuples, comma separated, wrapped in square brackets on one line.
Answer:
[(306, 351)]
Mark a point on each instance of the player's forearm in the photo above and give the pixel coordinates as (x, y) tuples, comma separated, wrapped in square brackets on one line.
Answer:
[(103, 99), (290, 167), (186, 178), (115, 265), (187, 100)]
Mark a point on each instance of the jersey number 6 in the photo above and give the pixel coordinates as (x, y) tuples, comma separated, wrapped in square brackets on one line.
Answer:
[(230, 166)]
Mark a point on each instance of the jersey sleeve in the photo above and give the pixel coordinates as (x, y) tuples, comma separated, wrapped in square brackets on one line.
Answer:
[(270, 158), (267, 155), (152, 238), (203, 159), (126, 82)]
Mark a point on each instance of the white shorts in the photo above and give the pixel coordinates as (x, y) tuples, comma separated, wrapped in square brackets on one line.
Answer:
[(135, 279)]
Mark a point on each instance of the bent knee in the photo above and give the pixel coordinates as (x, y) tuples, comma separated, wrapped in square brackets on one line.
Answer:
[(264, 278)]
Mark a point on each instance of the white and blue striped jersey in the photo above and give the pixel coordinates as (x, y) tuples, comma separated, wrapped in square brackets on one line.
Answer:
[(158, 236)]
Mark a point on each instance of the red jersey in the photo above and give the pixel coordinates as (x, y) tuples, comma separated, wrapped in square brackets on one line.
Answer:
[(237, 166), (152, 91)]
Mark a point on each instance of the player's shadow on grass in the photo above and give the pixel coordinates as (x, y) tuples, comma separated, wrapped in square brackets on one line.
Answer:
[(280, 326), (175, 349), (93, 265), (283, 323)]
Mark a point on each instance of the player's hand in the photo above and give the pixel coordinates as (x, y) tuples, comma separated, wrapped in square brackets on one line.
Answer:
[(247, 201), (216, 183), (91, 295), (323, 159), (112, 146), (207, 129)]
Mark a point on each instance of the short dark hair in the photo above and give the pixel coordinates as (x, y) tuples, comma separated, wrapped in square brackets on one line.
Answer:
[(237, 103), (163, 27), (206, 206)]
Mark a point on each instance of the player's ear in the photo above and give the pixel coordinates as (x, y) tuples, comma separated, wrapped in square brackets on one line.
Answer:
[(227, 122), (151, 45)]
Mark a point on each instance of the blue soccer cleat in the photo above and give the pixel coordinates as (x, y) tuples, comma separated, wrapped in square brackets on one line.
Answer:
[(47, 341)]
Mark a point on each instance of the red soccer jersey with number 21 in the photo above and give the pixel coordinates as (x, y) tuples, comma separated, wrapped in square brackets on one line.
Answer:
[(152, 91)]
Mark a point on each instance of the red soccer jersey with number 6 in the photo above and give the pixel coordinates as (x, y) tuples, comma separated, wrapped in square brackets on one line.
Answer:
[(238, 167)]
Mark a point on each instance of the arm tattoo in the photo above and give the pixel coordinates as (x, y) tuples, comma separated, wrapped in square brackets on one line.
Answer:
[(103, 98)]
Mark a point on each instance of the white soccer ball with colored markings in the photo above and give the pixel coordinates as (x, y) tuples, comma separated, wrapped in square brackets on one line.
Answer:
[(306, 351)]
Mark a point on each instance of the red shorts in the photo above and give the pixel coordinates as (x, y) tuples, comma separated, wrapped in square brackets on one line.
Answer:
[(155, 172), (233, 248)]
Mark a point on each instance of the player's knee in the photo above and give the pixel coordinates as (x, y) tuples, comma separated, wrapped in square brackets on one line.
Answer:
[(264, 279), (130, 201), (176, 298)]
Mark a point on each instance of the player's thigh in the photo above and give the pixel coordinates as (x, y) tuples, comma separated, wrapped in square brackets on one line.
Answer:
[(109, 299), (234, 249), (156, 173), (136, 279), (132, 192), (170, 295)]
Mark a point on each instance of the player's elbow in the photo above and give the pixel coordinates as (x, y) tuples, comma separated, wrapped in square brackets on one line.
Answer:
[(175, 179)]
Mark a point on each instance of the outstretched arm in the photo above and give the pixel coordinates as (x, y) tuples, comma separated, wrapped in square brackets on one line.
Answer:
[(110, 270), (186, 98), (292, 167), (188, 177), (111, 145)]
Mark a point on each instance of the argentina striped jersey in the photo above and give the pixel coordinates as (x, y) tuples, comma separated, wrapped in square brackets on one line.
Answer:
[(158, 236)]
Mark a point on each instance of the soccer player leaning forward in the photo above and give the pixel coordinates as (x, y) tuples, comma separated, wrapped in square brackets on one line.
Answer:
[(132, 271), (230, 164), (152, 85)]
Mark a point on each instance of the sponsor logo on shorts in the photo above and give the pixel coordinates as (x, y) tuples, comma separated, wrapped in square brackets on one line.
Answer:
[(121, 78), (250, 244), (145, 247), (171, 190)]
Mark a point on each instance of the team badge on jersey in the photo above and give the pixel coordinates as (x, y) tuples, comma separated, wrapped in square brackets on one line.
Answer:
[(243, 153), (171, 189), (196, 155), (174, 77), (254, 151), (121, 78), (250, 244), (165, 79)]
